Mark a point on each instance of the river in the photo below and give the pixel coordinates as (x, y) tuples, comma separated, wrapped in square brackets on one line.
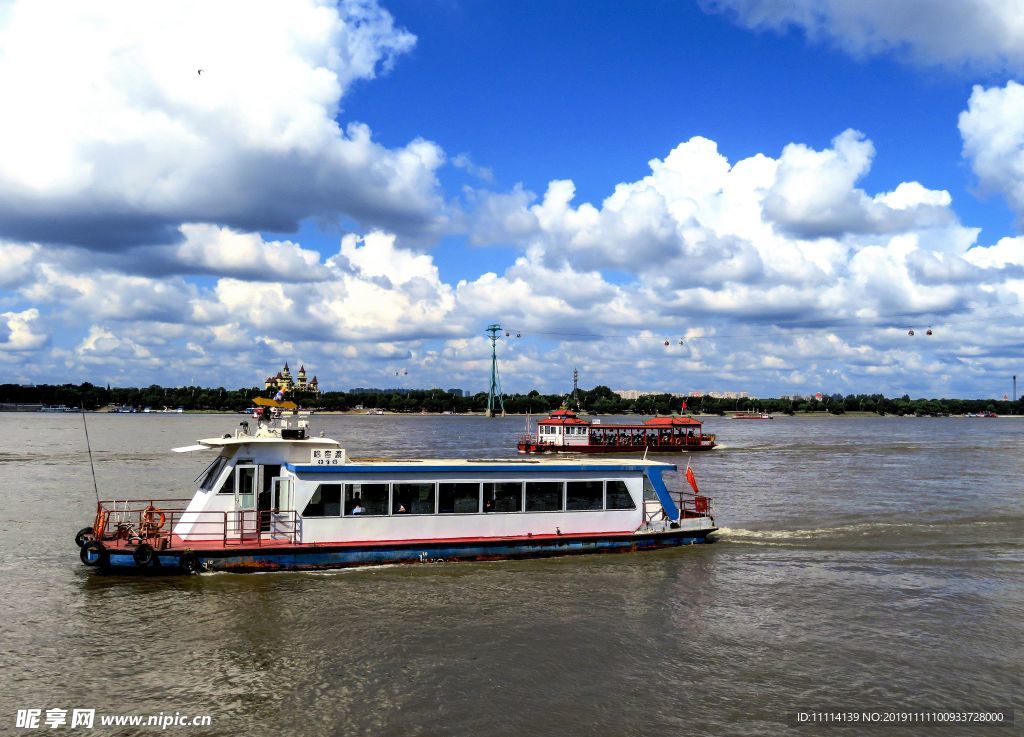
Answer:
[(862, 563)]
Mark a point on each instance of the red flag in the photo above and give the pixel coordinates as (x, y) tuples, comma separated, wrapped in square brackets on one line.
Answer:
[(684, 406), (692, 479)]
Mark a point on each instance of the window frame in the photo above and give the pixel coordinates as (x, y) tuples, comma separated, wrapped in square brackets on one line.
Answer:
[(479, 496)]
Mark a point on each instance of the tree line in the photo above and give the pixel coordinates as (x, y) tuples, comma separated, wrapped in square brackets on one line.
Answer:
[(600, 400)]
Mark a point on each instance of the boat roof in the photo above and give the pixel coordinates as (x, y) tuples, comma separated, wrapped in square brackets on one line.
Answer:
[(670, 421), (532, 465), (569, 417), (207, 443)]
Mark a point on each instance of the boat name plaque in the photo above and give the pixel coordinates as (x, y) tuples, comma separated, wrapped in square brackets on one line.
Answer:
[(327, 456)]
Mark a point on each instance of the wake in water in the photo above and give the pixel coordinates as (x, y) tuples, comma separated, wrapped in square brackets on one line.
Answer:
[(1006, 530)]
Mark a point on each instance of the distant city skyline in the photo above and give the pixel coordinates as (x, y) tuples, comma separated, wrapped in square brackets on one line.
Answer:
[(784, 197)]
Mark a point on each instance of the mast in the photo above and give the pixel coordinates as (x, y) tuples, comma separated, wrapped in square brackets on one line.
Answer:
[(494, 392)]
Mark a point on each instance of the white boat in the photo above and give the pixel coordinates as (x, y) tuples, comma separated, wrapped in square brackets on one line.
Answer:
[(279, 498)]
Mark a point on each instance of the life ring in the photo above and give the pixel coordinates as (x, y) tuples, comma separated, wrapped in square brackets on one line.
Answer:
[(152, 518), (679, 440)]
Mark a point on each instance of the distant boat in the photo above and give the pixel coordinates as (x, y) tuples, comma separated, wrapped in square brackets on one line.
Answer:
[(58, 408), (564, 432), (752, 416)]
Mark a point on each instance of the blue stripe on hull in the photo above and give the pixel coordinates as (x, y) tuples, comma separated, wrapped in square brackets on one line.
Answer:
[(316, 558)]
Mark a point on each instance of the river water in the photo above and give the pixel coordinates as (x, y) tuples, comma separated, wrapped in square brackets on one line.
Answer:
[(862, 563)]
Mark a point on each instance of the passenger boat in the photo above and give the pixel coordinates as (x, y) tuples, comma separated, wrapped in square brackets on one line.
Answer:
[(751, 416), (563, 431), (278, 498)]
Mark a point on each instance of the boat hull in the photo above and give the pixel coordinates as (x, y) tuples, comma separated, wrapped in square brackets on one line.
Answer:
[(535, 448), (319, 557)]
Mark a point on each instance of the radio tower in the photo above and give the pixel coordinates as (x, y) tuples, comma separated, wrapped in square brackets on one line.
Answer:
[(494, 393), (575, 388)]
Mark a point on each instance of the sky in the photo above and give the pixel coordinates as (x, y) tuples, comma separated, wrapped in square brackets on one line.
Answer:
[(689, 195)]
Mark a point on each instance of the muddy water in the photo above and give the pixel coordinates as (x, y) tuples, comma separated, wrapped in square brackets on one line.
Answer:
[(862, 563)]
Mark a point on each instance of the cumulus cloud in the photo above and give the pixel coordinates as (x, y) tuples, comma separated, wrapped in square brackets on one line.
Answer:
[(992, 128), (118, 138), (225, 252), (813, 194), (18, 331), (779, 295), (764, 236), (973, 33)]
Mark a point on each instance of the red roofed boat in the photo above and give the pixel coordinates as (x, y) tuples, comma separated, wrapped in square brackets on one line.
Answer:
[(564, 432)]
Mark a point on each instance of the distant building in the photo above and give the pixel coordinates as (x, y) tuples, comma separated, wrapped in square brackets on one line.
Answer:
[(458, 392), (284, 382), (727, 395), (637, 393)]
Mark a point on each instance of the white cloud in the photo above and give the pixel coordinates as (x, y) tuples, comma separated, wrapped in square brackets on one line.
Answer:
[(17, 263), (760, 303), (17, 331), (226, 252), (973, 33), (992, 128), (118, 138), (1006, 252), (464, 162), (762, 236)]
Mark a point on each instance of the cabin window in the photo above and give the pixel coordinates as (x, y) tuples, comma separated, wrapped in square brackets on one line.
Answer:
[(415, 498), (584, 495), (212, 473), (649, 493), (325, 502), (543, 496), (228, 487), (503, 496), (617, 496), (454, 498), (373, 498)]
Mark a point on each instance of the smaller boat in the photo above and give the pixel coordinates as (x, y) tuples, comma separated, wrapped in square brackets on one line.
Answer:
[(563, 431), (751, 416)]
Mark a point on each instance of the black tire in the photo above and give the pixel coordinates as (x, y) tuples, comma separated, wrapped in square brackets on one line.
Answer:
[(90, 549), (144, 555), (189, 563), (84, 535)]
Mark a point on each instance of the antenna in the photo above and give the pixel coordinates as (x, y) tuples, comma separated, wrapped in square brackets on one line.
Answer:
[(575, 388), (88, 446), (494, 392)]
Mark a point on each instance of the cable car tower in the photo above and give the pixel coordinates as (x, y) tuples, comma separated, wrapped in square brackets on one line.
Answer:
[(494, 398)]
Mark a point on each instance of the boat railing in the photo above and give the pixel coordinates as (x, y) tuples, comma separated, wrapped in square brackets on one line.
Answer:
[(690, 506), (161, 522)]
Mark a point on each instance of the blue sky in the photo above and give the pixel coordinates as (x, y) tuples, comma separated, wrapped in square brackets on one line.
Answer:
[(363, 186)]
